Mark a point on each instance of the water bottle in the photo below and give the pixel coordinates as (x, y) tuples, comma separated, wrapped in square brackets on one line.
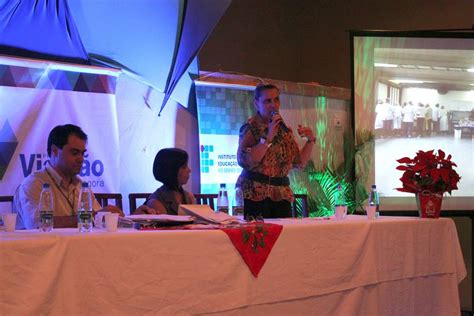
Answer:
[(373, 202), (222, 200), (238, 202), (340, 207), (46, 209), (84, 212)]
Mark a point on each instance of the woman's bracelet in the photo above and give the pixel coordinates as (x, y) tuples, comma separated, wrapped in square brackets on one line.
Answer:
[(311, 140)]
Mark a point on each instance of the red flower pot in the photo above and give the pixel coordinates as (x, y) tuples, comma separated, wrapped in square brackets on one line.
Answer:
[(429, 204)]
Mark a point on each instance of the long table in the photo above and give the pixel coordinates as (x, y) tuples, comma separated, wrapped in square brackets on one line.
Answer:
[(355, 266)]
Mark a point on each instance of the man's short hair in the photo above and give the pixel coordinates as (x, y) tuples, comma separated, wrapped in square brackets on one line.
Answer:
[(60, 134), (261, 87)]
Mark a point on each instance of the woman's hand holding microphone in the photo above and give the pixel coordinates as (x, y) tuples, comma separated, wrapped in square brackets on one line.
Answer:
[(275, 123)]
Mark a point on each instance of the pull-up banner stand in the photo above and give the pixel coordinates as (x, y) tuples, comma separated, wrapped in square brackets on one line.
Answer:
[(37, 96)]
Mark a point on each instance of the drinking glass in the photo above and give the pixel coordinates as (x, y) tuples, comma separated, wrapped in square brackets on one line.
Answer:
[(99, 220), (9, 222), (111, 222), (341, 211), (371, 211)]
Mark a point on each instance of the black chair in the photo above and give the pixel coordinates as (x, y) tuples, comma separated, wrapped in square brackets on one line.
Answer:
[(103, 199), (300, 203), (7, 199), (132, 199), (205, 199)]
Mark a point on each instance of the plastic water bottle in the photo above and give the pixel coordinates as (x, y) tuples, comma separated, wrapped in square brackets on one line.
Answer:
[(340, 199), (374, 199), (238, 202), (222, 200), (46, 209), (84, 213), (340, 207)]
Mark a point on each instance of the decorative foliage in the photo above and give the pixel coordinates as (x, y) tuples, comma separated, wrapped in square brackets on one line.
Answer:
[(428, 171), (364, 149), (255, 234), (322, 186)]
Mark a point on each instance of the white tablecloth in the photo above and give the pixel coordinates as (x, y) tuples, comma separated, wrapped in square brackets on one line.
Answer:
[(389, 266)]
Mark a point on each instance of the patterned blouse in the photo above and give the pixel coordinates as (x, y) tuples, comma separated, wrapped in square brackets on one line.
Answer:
[(280, 158)]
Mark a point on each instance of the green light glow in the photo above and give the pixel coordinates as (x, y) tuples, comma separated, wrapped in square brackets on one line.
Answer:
[(321, 124)]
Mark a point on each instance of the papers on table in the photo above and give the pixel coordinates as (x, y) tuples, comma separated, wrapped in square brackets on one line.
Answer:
[(161, 218), (155, 221), (205, 215)]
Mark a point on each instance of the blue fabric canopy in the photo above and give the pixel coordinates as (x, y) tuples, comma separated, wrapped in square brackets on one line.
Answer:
[(198, 20), (155, 40), (40, 29)]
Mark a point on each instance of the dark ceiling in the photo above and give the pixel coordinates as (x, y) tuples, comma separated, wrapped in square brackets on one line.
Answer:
[(307, 40)]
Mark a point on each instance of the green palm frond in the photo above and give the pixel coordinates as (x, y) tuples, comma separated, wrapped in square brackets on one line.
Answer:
[(321, 185)]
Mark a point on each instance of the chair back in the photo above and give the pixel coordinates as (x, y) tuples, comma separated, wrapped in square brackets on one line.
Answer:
[(103, 199), (132, 199), (7, 199), (205, 199), (300, 203)]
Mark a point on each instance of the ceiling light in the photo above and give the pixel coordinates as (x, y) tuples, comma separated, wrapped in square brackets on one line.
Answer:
[(470, 70), (385, 65), (398, 81)]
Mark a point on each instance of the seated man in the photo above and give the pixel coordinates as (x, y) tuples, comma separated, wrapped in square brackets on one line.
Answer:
[(66, 148)]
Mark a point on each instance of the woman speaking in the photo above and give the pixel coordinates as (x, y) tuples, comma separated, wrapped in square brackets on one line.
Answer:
[(267, 152)]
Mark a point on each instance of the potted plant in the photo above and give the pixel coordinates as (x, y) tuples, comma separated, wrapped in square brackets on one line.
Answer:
[(429, 176)]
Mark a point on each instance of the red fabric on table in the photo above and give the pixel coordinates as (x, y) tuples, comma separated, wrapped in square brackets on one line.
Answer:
[(254, 241)]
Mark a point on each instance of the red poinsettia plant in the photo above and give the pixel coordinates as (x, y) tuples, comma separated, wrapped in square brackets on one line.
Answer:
[(428, 171)]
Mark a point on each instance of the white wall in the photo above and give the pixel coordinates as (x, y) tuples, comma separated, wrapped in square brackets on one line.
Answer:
[(142, 133), (453, 100), (381, 91)]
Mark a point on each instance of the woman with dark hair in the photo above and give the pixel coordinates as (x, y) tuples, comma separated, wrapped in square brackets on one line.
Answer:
[(170, 168)]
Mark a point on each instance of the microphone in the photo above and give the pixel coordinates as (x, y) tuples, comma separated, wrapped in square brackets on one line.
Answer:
[(282, 124)]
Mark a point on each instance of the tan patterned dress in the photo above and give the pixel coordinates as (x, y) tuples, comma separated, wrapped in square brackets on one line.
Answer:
[(280, 158)]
